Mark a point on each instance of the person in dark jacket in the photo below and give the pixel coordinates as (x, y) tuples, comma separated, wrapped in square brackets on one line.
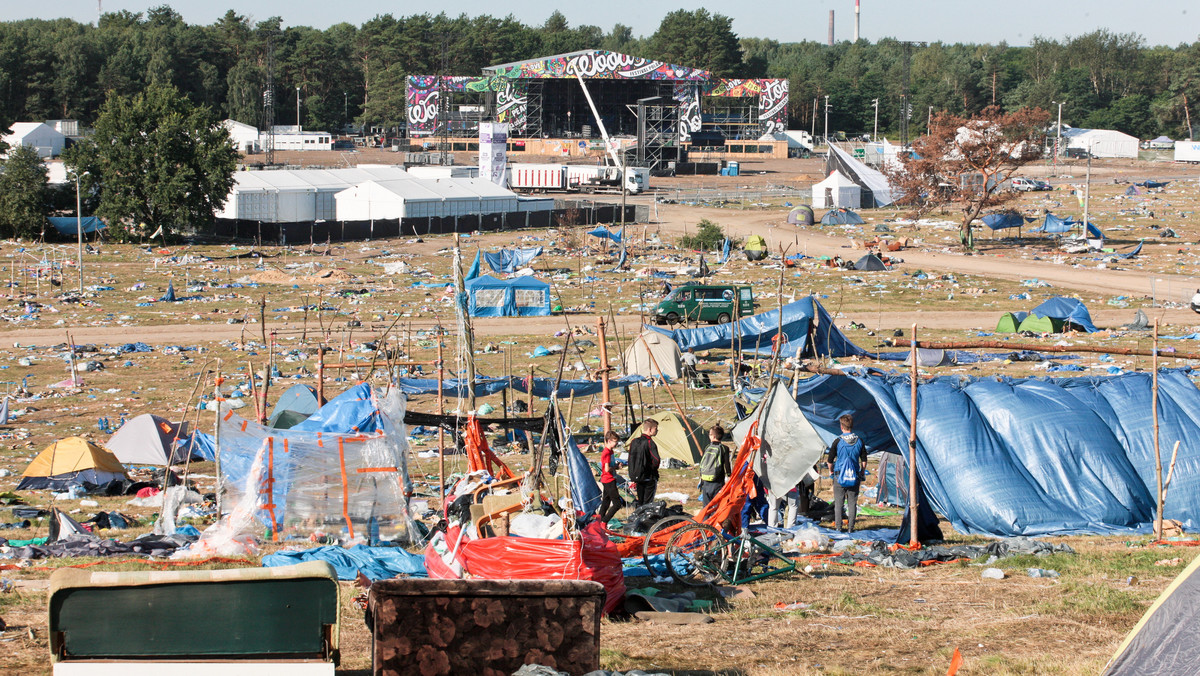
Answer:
[(643, 463)]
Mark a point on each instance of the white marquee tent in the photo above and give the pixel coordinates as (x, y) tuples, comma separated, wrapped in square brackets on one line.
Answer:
[(836, 191), (1101, 142), (296, 195)]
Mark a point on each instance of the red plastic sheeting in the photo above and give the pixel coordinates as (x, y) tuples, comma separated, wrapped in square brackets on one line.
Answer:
[(515, 558)]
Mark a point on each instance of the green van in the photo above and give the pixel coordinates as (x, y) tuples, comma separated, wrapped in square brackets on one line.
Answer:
[(712, 303)]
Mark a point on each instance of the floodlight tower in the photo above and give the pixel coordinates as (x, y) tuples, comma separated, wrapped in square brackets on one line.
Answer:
[(857, 16)]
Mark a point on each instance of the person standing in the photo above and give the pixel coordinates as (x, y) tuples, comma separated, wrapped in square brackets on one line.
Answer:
[(714, 465), (643, 463), (610, 501), (847, 462)]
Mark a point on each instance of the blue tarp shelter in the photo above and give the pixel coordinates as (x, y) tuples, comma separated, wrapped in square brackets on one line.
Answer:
[(517, 297), (1069, 310), (1004, 219), (841, 216), (474, 271), (68, 225), (1054, 225), (350, 412), (604, 233), (1035, 456), (757, 332), (508, 261)]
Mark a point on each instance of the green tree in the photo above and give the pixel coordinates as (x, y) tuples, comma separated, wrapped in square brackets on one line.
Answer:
[(158, 161), (698, 39), (23, 183), (708, 236)]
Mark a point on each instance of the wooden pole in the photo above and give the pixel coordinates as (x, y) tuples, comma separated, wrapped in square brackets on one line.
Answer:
[(258, 415), (531, 391), (217, 380), (1158, 513), (441, 409), (321, 373), (682, 415), (605, 405), (912, 448)]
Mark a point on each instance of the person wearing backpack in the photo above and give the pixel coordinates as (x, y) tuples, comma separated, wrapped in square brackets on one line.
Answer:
[(714, 465), (847, 462)]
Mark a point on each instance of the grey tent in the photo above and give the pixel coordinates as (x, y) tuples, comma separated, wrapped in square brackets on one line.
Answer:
[(1166, 641), (790, 444), (841, 216), (149, 440), (297, 403), (870, 263), (801, 215), (926, 357)]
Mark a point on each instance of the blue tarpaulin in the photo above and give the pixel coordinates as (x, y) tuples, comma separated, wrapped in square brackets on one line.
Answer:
[(508, 261), (352, 411), (517, 297), (1133, 252), (542, 387), (1006, 219), (474, 271), (1055, 225), (604, 233), (1034, 456), (203, 445), (1067, 309), (585, 492), (69, 225), (377, 563), (757, 332)]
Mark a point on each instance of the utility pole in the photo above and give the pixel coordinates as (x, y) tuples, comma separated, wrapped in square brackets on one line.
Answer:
[(827, 123), (875, 133), (929, 121), (1058, 141), (79, 228), (816, 105), (297, 109)]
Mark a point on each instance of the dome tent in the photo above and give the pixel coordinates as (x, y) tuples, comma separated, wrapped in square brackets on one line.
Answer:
[(71, 462), (801, 215), (673, 439), (296, 404), (149, 440), (666, 356), (841, 217), (755, 248)]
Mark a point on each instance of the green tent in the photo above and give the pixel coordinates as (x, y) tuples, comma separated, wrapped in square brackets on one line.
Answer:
[(673, 440), (755, 248), (1010, 322), (1036, 324)]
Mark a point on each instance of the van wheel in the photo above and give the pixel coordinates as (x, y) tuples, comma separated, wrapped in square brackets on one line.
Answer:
[(672, 318), (723, 318)]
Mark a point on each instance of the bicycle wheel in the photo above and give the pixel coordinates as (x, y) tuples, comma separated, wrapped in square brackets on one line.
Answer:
[(674, 521), (695, 555)]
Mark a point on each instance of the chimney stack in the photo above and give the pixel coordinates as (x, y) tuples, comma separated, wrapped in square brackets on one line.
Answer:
[(857, 15), (831, 28)]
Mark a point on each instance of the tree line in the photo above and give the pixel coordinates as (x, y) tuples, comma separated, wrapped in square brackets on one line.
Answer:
[(350, 74)]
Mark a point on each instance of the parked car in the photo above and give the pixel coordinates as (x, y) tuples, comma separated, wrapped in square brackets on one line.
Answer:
[(1022, 184), (713, 303)]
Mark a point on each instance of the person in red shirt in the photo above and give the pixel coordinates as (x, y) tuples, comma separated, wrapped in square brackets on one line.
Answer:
[(610, 501)]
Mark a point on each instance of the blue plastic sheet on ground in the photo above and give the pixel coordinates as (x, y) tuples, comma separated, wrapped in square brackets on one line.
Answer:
[(134, 347), (1067, 309), (511, 260), (377, 563), (757, 332), (1036, 456)]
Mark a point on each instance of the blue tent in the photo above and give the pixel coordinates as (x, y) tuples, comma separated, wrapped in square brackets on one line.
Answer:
[(69, 225), (1069, 310), (1035, 456), (474, 271), (509, 261), (1055, 225), (758, 331), (518, 297), (604, 233), (841, 216), (352, 411), (1004, 219), (297, 403)]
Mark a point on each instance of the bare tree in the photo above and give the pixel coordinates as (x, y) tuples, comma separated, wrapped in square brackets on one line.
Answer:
[(965, 161)]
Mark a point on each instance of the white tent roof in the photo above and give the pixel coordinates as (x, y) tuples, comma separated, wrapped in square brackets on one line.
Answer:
[(311, 180), (836, 180)]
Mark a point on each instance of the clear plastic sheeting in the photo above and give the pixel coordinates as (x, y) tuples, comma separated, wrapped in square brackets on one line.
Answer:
[(1035, 456), (343, 483)]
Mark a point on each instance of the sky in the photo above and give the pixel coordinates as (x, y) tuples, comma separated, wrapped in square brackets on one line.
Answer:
[(1162, 22)]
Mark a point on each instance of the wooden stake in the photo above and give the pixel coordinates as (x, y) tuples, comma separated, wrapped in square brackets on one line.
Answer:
[(1158, 513), (605, 404), (912, 449), (441, 409)]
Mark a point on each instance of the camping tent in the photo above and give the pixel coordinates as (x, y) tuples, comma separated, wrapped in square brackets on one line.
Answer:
[(511, 260), (297, 403), (674, 441), (928, 357), (69, 462), (1069, 310), (1039, 324), (1010, 322), (148, 440), (790, 445), (517, 297), (1166, 641), (801, 215), (841, 217), (666, 356), (755, 248), (870, 263), (836, 191)]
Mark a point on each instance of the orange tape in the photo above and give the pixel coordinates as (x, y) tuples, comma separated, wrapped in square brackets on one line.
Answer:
[(345, 488), (364, 470)]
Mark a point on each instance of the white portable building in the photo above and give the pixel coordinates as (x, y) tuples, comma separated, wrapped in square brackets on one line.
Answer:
[(245, 137), (423, 198), (836, 191), (300, 195), (37, 135), (1102, 142)]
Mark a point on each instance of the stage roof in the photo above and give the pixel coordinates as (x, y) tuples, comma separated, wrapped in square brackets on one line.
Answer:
[(595, 63)]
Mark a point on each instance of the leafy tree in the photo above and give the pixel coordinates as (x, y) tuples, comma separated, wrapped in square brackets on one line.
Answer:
[(966, 160), (708, 236), (23, 182), (157, 160), (698, 39)]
